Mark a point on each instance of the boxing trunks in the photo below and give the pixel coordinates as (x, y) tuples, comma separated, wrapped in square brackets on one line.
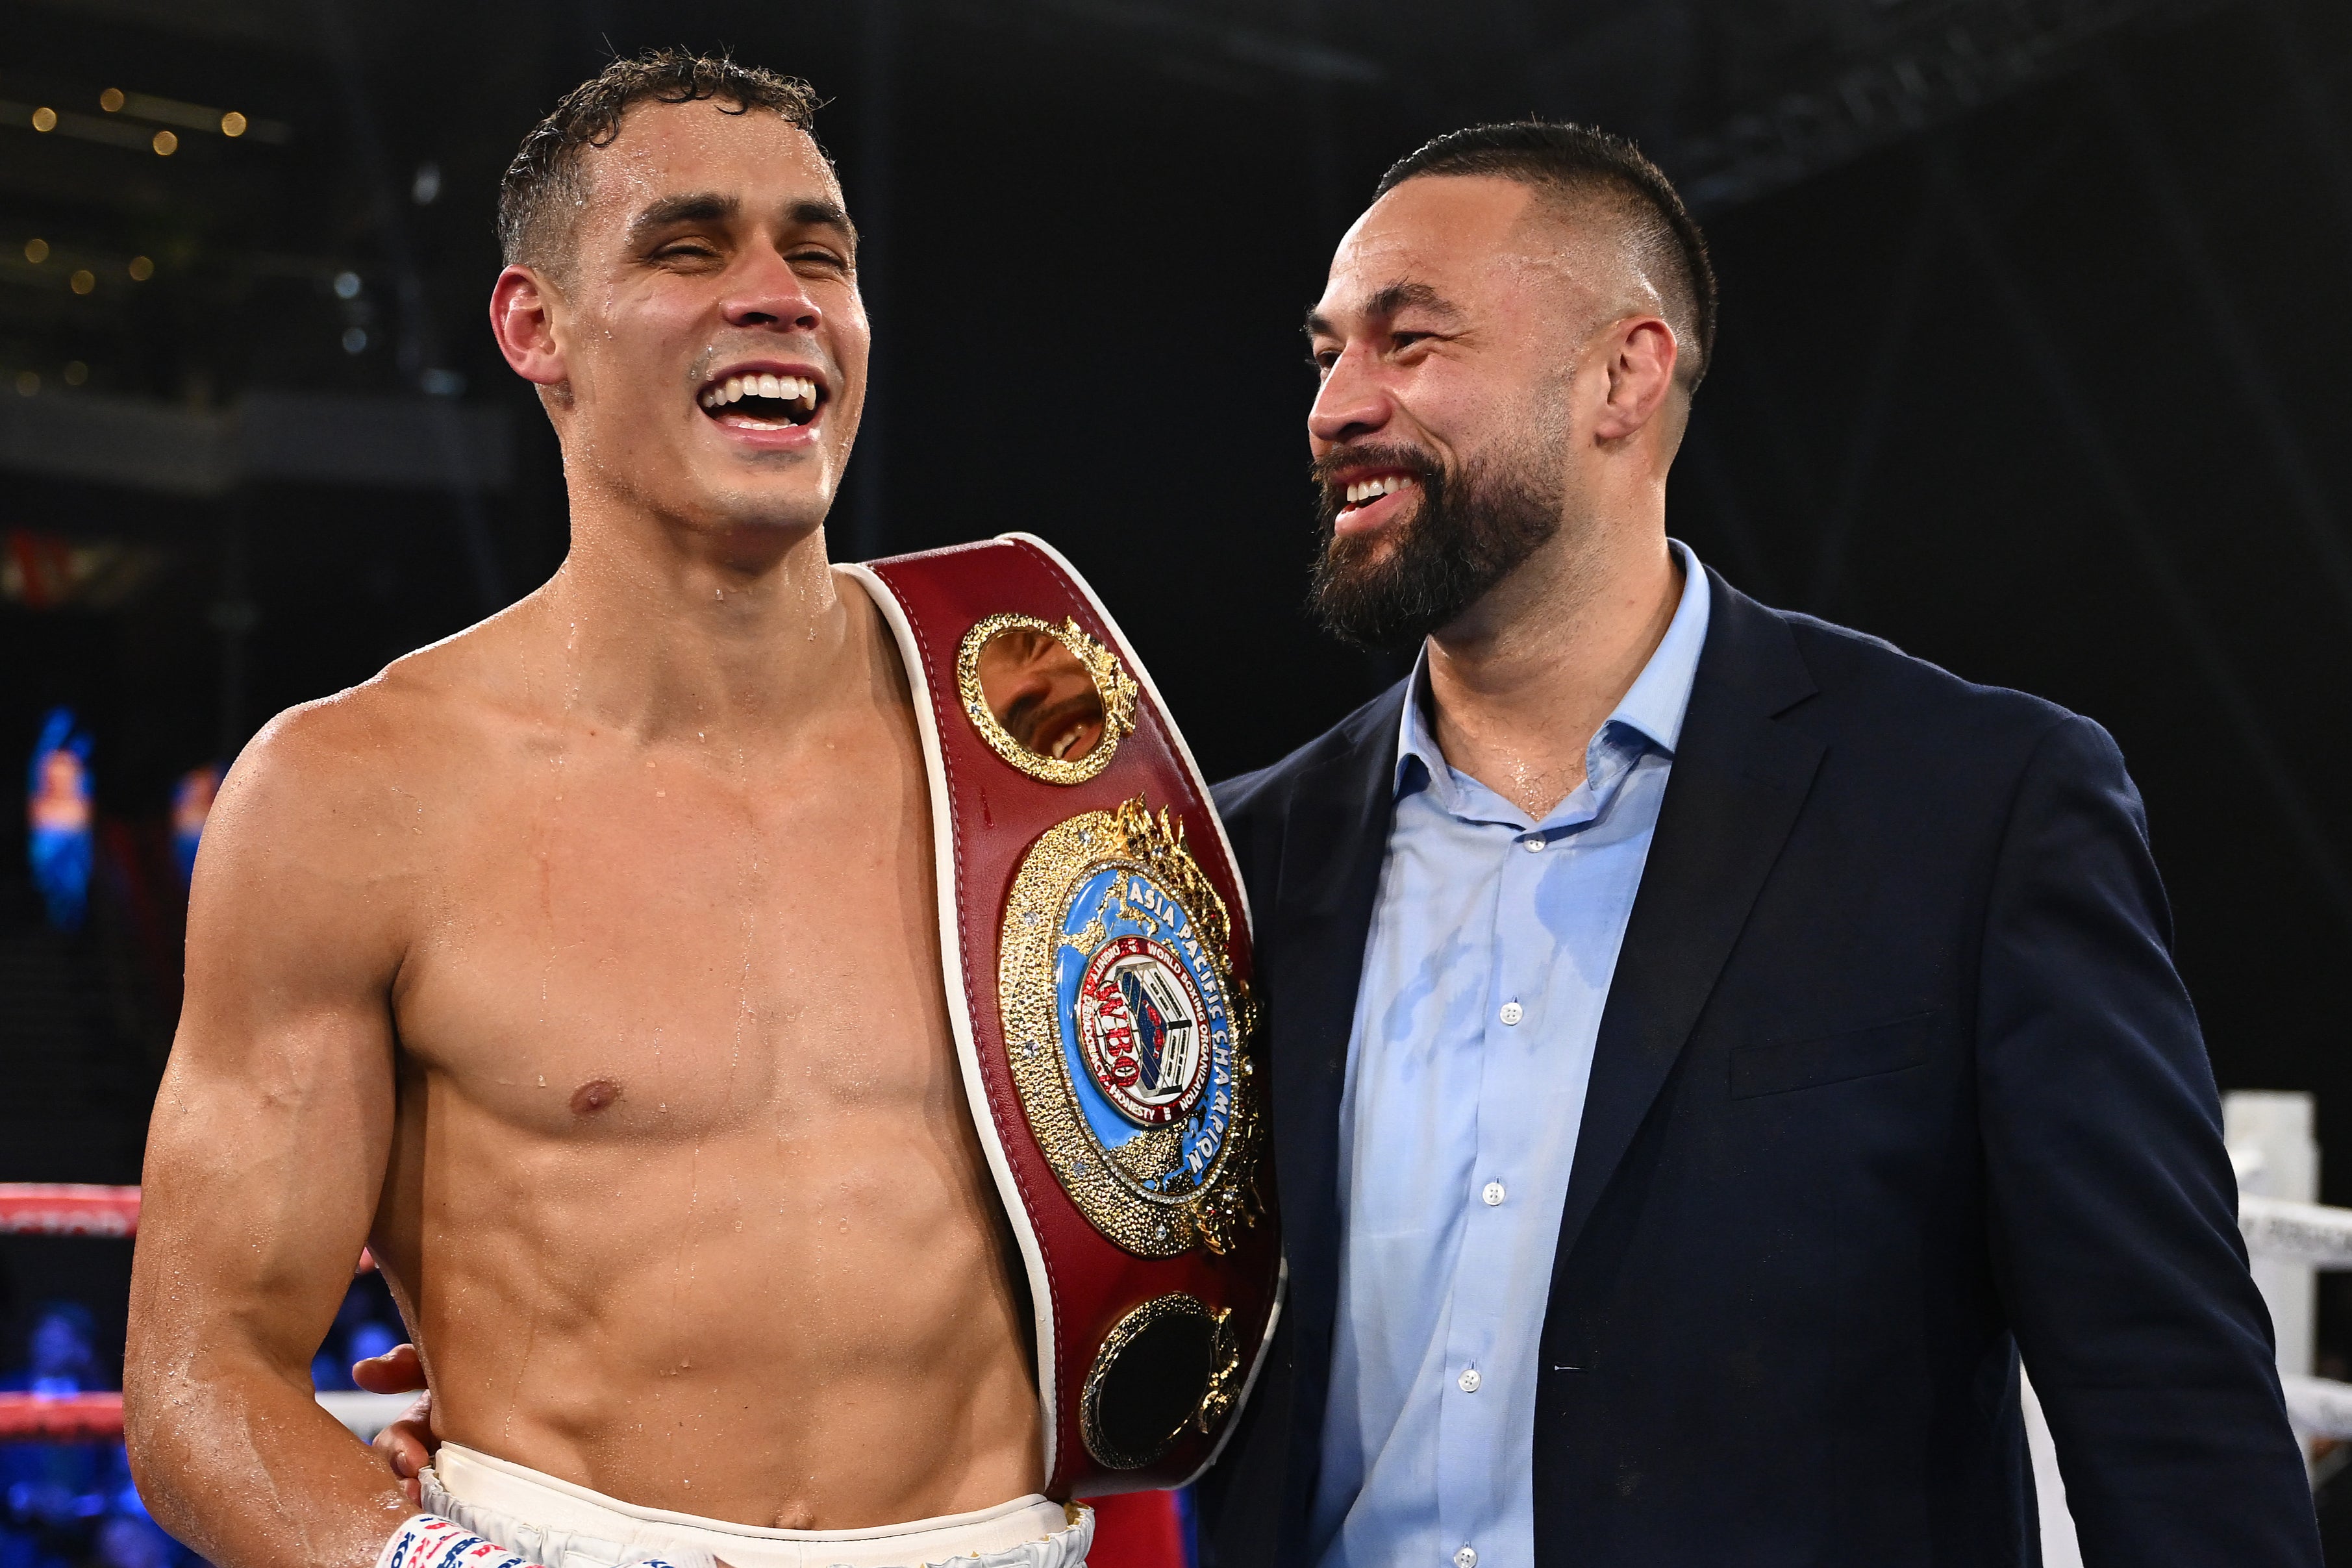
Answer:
[(1095, 940), (555, 1524)]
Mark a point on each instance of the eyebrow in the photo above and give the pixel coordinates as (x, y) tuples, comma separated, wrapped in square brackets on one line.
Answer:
[(696, 208), (1389, 301), (711, 206), (822, 215)]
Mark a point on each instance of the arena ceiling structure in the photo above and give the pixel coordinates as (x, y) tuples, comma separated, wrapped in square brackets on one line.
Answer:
[(2030, 362)]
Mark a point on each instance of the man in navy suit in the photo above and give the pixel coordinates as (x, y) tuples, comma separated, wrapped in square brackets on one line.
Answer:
[(1709, 1048)]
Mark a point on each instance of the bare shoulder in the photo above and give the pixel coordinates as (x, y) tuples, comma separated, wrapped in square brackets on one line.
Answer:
[(342, 786)]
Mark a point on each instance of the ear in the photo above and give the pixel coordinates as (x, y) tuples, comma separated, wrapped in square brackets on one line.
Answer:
[(522, 311), (1640, 366)]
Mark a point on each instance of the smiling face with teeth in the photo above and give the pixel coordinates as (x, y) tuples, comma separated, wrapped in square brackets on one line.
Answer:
[(1484, 354), (701, 346), (1044, 698)]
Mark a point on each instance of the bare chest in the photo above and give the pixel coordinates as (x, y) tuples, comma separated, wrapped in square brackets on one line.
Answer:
[(617, 949)]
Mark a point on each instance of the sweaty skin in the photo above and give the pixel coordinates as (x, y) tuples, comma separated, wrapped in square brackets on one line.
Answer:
[(585, 965)]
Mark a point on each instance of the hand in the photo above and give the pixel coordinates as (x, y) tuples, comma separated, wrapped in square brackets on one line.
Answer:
[(408, 1444)]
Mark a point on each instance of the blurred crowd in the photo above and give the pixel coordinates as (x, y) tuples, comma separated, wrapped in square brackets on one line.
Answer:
[(74, 1505)]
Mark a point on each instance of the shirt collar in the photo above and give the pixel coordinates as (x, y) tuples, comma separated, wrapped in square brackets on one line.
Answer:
[(1652, 707)]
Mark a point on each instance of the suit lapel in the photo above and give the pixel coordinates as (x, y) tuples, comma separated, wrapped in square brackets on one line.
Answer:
[(1738, 783), (1335, 838)]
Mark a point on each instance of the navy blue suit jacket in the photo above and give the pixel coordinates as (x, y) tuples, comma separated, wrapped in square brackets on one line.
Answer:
[(1896, 1081)]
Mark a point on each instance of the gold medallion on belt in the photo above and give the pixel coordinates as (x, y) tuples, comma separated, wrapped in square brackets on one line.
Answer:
[(1128, 1032)]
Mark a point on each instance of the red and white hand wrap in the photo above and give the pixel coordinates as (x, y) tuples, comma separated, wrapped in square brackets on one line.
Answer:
[(428, 1541)]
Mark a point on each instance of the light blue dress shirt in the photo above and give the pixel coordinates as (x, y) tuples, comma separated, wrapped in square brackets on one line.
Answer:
[(1493, 940)]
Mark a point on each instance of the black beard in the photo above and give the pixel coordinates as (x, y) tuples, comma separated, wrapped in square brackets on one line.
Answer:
[(1470, 532)]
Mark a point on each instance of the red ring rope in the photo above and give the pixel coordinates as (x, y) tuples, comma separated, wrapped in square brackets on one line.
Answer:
[(76, 1208), (68, 1208), (72, 1417)]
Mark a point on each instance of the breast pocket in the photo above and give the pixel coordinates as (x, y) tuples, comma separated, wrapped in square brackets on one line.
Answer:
[(1776, 1067)]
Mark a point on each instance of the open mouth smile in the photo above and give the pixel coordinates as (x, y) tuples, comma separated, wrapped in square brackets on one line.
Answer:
[(1368, 504), (761, 398), (1072, 725)]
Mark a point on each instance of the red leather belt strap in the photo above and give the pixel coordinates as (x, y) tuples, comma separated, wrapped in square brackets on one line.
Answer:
[(1094, 938)]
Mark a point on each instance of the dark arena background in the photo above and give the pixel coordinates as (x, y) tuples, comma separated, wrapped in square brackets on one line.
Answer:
[(2034, 318)]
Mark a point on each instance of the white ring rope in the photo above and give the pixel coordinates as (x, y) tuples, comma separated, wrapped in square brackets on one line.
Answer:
[(2309, 1233), (2319, 1407), (96, 1417)]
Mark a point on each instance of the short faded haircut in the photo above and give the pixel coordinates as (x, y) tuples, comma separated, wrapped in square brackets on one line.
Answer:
[(1580, 163), (542, 188)]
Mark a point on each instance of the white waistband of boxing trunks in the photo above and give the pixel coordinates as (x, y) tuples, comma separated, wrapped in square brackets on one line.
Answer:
[(561, 1525)]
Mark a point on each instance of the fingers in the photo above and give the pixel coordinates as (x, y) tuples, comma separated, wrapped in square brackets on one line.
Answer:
[(406, 1446), (406, 1456), (396, 1371)]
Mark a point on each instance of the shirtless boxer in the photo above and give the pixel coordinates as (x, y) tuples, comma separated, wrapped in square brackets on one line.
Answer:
[(585, 965)]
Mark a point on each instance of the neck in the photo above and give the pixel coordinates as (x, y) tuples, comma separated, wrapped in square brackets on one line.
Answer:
[(1520, 683), (670, 630)]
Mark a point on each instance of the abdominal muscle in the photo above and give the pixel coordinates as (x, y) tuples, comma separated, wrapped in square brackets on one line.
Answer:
[(685, 1201), (812, 1327)]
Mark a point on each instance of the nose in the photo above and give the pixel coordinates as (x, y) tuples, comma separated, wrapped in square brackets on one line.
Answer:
[(1350, 405), (766, 292)]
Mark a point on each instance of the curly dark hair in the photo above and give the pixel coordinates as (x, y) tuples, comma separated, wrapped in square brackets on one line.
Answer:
[(1578, 160), (542, 186)]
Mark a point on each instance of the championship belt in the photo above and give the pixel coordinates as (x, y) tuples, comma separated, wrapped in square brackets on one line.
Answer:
[(1094, 938)]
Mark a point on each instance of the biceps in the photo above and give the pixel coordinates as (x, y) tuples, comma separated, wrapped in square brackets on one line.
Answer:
[(264, 1160)]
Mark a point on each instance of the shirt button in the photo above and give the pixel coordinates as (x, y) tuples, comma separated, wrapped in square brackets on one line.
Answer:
[(1513, 1012), (1533, 845), (1467, 1558), (1468, 1380), (1492, 1195)]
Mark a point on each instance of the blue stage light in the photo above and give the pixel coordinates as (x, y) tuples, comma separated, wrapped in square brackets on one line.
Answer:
[(58, 814)]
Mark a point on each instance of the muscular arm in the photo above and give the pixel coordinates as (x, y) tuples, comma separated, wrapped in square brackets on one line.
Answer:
[(264, 1161), (2114, 1226)]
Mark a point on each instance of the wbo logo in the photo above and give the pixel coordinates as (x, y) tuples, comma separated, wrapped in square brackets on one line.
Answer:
[(1140, 1022), (1128, 1033), (1147, 1029)]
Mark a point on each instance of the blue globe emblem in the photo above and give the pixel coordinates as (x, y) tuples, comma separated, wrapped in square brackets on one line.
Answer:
[(1147, 1030)]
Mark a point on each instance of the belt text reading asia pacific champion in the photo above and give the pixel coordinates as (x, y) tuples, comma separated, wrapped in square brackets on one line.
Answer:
[(1097, 950)]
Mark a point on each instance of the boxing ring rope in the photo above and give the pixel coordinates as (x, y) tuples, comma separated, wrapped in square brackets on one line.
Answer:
[(60, 1417), (2309, 1233), (68, 1208), (98, 1417), (77, 1209)]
